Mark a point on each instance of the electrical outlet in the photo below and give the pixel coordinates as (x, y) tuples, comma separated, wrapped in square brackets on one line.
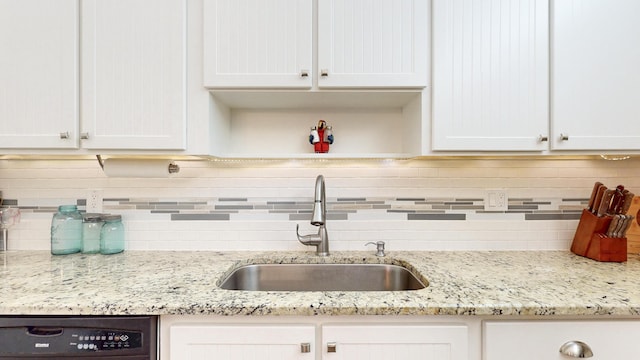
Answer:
[(94, 201), (496, 200)]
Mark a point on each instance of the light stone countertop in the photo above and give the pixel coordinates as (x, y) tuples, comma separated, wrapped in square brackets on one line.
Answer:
[(460, 283)]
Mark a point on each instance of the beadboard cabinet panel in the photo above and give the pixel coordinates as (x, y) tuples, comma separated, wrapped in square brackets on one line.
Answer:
[(360, 44), (258, 43), (373, 43), (490, 75), (535, 340), (595, 57), (39, 74), (407, 342), (195, 339), (241, 342), (133, 74)]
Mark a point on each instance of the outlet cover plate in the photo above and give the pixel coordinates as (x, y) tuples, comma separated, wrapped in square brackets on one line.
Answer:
[(94, 201), (496, 200)]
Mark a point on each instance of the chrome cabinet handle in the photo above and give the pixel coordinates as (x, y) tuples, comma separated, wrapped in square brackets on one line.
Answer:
[(543, 138), (331, 347), (305, 348), (64, 135), (84, 136), (576, 349), (564, 137), (324, 72), (304, 73)]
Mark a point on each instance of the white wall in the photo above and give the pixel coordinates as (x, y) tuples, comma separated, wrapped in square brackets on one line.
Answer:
[(40, 185)]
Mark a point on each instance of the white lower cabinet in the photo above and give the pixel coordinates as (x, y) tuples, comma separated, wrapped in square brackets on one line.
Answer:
[(241, 342), (535, 340), (407, 342), (393, 337), (189, 338)]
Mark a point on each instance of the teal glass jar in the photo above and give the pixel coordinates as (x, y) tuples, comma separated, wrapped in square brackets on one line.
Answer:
[(66, 230), (112, 235), (91, 227)]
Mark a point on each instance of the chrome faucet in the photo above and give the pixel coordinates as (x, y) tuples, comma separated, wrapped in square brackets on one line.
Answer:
[(318, 218)]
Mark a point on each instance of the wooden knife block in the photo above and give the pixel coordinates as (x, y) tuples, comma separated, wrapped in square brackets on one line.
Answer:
[(590, 240)]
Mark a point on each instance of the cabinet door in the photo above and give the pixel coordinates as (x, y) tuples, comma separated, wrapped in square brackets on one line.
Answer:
[(258, 43), (38, 74), (242, 342), (134, 74), (407, 342), (490, 75), (373, 43), (595, 57), (535, 340)]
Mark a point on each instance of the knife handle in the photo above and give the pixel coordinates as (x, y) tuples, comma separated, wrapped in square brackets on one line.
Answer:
[(628, 199), (616, 202), (594, 192), (627, 226), (612, 226), (622, 223), (598, 199), (605, 203)]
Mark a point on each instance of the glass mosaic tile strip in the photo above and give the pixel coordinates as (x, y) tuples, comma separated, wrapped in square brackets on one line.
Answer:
[(409, 208)]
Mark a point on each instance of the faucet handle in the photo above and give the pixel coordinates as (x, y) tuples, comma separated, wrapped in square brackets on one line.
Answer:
[(379, 245), (309, 238)]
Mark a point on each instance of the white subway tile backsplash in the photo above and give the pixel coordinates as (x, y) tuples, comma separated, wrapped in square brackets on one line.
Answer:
[(369, 201)]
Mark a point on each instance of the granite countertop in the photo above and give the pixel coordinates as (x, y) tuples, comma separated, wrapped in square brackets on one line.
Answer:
[(460, 283)]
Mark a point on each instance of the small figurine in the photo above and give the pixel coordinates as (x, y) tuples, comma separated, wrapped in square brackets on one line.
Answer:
[(321, 137)]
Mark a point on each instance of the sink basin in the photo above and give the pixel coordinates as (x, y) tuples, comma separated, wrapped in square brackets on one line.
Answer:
[(322, 277)]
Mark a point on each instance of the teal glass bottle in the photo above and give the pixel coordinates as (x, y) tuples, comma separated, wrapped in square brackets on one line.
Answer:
[(91, 228), (66, 230), (112, 235)]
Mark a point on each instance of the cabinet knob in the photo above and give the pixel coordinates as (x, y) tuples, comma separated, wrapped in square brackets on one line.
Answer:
[(305, 348), (324, 72), (564, 137), (576, 349), (64, 135), (304, 73), (84, 136), (543, 138), (331, 347)]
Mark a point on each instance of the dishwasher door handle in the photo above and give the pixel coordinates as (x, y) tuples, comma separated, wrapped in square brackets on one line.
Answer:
[(44, 331)]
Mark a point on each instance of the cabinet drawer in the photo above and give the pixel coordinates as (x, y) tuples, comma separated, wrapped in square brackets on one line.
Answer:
[(222, 341), (523, 340), (400, 341)]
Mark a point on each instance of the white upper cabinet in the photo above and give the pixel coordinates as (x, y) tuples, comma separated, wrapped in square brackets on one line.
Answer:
[(595, 64), (131, 80), (373, 43), (133, 74), (38, 73), (360, 44), (490, 75), (258, 43)]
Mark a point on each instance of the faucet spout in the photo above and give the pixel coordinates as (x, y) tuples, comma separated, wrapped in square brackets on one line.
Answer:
[(319, 215), (319, 219)]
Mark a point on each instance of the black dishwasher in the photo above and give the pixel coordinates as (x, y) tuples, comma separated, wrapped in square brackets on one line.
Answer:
[(78, 337)]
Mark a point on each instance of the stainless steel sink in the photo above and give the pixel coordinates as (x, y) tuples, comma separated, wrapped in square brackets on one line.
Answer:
[(322, 277)]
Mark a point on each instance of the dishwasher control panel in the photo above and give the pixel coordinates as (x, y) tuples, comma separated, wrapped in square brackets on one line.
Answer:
[(70, 340), (93, 340)]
